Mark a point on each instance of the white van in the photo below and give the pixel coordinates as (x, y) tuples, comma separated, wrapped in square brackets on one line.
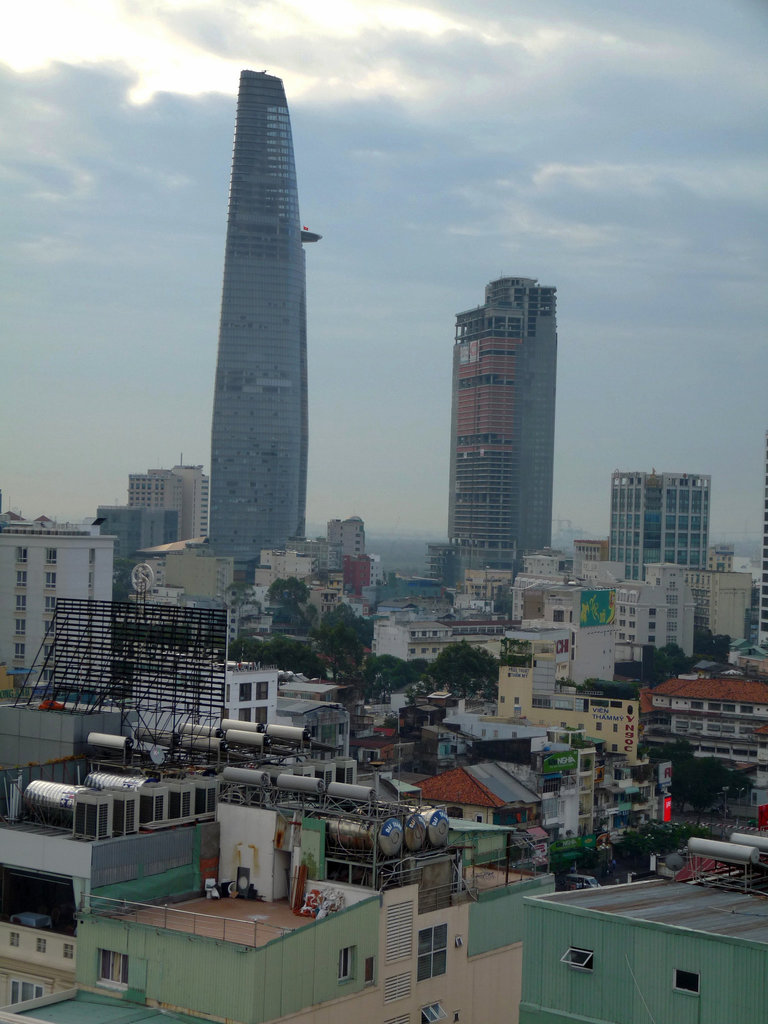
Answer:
[(581, 882)]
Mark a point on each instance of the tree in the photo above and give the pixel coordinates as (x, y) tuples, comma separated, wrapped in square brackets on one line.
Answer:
[(291, 595), (699, 781), (669, 662), (121, 578), (363, 628), (384, 673), (465, 670), (340, 646), (707, 644), (287, 654)]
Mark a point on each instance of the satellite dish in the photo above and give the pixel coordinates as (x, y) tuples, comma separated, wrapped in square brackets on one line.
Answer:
[(157, 755), (674, 861), (142, 577)]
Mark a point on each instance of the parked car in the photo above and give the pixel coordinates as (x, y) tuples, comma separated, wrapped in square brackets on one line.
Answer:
[(581, 882)]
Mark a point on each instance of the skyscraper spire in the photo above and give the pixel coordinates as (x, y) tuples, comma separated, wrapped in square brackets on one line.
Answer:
[(259, 430)]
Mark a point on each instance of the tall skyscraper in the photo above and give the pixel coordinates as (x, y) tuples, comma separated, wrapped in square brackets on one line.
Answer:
[(503, 425), (259, 430), (763, 624), (658, 517)]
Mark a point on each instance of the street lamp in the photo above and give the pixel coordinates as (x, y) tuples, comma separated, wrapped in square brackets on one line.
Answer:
[(725, 802)]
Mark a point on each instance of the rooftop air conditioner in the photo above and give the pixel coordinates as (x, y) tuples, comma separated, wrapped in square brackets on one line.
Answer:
[(206, 796), (346, 770), (125, 812), (181, 800), (153, 803), (92, 818), (325, 770)]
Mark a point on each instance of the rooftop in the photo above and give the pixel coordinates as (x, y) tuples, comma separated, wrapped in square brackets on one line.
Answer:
[(697, 907), (720, 688)]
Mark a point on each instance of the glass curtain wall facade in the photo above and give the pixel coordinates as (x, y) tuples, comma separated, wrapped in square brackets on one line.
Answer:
[(259, 430), (503, 425), (658, 517)]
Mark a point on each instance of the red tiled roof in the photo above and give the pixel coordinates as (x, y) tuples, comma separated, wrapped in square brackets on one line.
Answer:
[(747, 690), (646, 700), (459, 787)]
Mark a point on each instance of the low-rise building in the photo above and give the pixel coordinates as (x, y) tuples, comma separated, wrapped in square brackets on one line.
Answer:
[(723, 601)]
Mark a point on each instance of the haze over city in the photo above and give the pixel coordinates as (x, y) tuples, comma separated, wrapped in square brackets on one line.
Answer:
[(618, 156)]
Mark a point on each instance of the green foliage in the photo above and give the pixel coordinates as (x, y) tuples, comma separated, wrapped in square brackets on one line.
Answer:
[(608, 688), (465, 670), (516, 653), (699, 781), (289, 655), (680, 750), (385, 673), (122, 587), (339, 645), (670, 662), (715, 647), (659, 837), (343, 614)]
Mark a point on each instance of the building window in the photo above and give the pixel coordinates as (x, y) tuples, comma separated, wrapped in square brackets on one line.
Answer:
[(21, 991), (50, 602), (262, 690), (21, 602), (19, 650), (40, 945), (432, 1012), (113, 967), (14, 938), (370, 963), (399, 930), (21, 627), (346, 963), (579, 959), (244, 715), (69, 951), (260, 715), (245, 692), (50, 579), (686, 981), (50, 556), (432, 952), (21, 555), (21, 578)]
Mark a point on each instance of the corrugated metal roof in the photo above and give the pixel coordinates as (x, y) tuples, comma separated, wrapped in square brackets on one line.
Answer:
[(87, 1008), (502, 783), (699, 907)]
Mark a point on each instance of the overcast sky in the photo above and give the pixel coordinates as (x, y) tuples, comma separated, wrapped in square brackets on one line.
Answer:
[(617, 151)]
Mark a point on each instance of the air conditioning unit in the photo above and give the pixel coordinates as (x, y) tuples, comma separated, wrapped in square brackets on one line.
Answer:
[(206, 797), (346, 770), (181, 800), (153, 803), (325, 770), (125, 814), (92, 818)]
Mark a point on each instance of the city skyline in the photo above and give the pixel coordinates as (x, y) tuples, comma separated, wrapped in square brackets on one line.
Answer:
[(603, 150), (259, 428)]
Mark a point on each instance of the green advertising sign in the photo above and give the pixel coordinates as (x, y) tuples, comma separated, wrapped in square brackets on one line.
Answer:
[(572, 846), (563, 761), (598, 607)]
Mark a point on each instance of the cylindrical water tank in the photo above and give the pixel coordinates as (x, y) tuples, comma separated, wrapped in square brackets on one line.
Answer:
[(248, 776), (233, 723), (346, 791), (351, 835), (53, 796), (437, 825), (747, 839), (291, 733), (164, 738), (415, 831), (109, 780), (728, 853), (193, 729), (246, 739), (210, 743), (391, 837), (110, 742), (300, 784)]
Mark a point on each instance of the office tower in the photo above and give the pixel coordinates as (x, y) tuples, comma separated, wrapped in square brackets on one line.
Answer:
[(346, 537), (658, 517), (503, 425), (183, 488), (763, 624), (259, 428)]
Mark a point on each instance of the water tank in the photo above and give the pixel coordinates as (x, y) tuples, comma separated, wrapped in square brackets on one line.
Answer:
[(747, 839), (350, 835), (109, 741), (193, 729), (437, 825), (300, 784), (53, 796), (247, 739), (108, 780), (415, 831), (290, 733), (248, 776), (391, 837), (233, 723), (727, 853), (212, 744), (345, 791)]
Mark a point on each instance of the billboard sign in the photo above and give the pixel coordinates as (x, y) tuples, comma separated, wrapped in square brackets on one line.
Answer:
[(562, 761), (665, 772), (598, 607)]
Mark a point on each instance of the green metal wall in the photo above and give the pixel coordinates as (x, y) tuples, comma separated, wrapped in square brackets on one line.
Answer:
[(149, 886), (634, 963), (497, 918), (240, 983)]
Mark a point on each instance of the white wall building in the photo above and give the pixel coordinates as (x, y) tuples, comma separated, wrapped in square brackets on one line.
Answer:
[(251, 692), (659, 611), (283, 564), (183, 488), (41, 562), (589, 616)]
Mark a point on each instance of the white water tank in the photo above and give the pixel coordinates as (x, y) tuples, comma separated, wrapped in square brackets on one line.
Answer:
[(726, 853)]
